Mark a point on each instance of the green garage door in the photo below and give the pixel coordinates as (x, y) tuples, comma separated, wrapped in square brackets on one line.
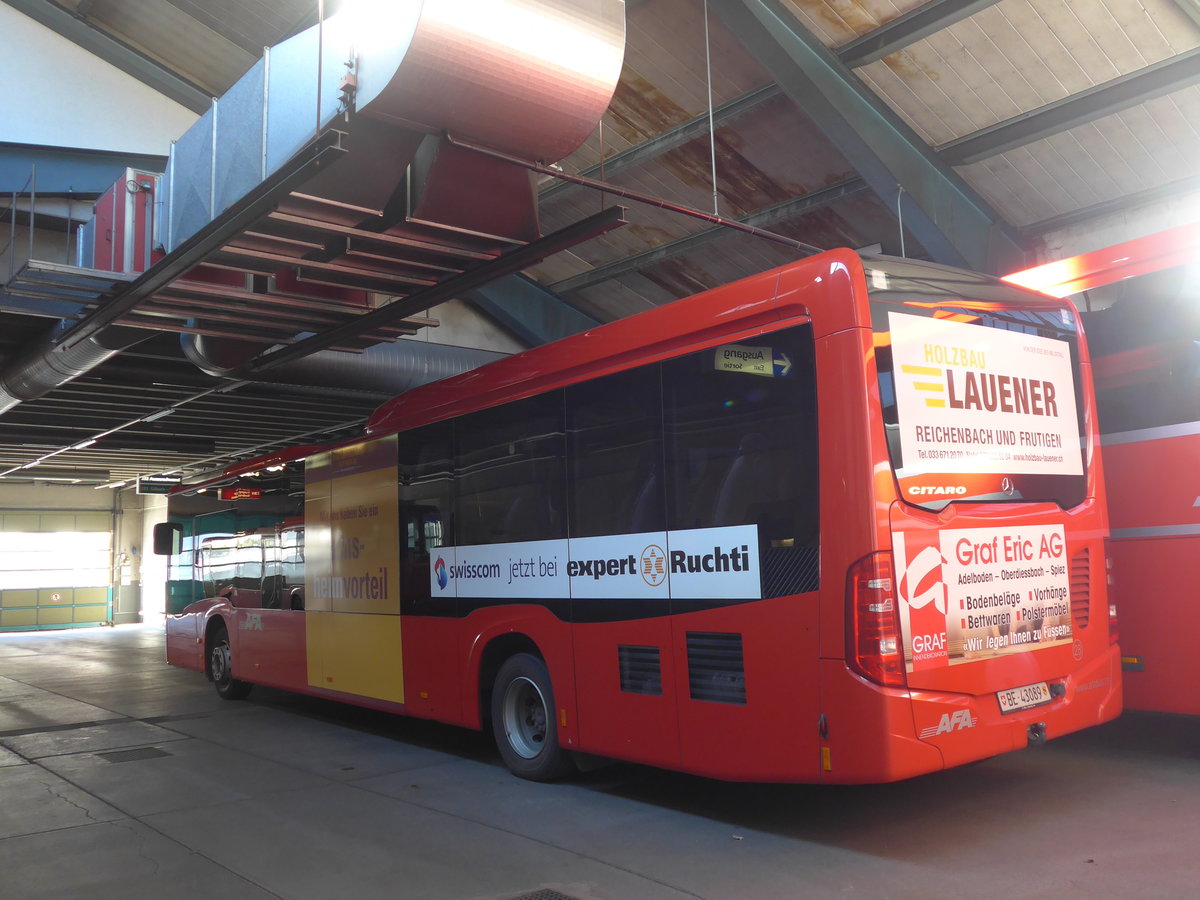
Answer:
[(55, 569)]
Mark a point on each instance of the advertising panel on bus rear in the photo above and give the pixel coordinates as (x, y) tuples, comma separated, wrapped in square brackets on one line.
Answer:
[(983, 401), (968, 594)]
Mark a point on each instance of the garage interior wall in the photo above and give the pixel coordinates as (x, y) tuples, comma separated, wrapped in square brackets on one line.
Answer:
[(52, 509)]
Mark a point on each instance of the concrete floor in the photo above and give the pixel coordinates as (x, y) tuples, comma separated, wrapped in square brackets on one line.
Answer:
[(121, 777)]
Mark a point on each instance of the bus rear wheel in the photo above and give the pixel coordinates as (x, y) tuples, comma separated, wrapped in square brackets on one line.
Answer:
[(523, 720), (220, 666)]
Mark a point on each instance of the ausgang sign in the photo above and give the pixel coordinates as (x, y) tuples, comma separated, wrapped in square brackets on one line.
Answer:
[(157, 484), (751, 360)]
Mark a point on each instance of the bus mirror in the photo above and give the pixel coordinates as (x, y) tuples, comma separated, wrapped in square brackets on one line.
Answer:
[(168, 538)]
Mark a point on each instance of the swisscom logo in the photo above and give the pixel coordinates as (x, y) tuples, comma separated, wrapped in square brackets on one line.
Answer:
[(439, 569)]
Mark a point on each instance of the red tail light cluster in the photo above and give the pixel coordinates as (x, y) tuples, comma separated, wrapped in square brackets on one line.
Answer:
[(873, 645)]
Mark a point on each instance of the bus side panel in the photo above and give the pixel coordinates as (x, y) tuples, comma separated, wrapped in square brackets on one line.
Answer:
[(852, 461), (270, 648), (1151, 489), (773, 733), (185, 644), (870, 731), (626, 677), (1157, 605), (434, 651)]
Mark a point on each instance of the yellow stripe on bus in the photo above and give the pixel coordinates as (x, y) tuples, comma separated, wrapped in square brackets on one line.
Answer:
[(920, 370)]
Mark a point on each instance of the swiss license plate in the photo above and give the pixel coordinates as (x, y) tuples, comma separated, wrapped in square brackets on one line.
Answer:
[(1024, 697)]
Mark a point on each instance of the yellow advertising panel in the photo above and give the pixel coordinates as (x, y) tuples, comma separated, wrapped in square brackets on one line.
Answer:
[(360, 654), (352, 582), (318, 545)]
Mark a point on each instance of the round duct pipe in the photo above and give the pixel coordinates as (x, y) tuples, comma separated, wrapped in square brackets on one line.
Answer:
[(384, 368), (52, 365)]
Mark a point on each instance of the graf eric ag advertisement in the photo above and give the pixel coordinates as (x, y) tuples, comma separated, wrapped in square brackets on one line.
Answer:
[(976, 593)]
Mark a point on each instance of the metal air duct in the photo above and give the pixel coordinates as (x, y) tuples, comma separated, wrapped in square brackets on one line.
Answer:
[(390, 369)]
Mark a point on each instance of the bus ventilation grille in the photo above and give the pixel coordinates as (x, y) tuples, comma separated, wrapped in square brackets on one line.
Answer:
[(641, 670), (715, 667), (1081, 587)]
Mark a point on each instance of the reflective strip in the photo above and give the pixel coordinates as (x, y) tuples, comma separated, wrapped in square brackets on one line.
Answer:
[(1155, 531), (1183, 429)]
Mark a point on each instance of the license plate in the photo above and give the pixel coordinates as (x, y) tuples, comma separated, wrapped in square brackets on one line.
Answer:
[(1024, 697)]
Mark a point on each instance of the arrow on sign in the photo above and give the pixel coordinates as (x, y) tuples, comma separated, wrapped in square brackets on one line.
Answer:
[(783, 364)]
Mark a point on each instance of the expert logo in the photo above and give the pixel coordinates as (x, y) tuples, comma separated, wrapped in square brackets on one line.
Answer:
[(654, 565)]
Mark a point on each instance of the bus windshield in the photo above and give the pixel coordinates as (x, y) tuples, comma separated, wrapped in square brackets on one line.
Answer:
[(980, 387)]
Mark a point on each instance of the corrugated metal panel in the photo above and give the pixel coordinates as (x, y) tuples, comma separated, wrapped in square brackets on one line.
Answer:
[(1021, 54)]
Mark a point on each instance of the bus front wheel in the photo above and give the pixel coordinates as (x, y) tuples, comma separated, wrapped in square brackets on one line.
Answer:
[(523, 720), (220, 665)]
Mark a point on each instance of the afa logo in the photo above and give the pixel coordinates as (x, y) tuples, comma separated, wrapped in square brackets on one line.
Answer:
[(439, 571)]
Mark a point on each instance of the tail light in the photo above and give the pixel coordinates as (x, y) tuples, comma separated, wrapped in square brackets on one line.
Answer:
[(1114, 631), (873, 647)]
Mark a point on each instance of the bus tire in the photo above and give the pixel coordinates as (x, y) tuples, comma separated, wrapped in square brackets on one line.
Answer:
[(523, 720), (220, 666)]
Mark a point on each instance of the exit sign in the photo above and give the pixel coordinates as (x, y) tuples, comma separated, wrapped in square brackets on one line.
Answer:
[(158, 484)]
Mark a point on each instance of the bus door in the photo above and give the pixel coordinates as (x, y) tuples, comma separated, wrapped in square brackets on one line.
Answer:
[(271, 636)]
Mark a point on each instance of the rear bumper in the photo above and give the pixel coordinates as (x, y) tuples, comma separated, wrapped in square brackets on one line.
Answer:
[(878, 734)]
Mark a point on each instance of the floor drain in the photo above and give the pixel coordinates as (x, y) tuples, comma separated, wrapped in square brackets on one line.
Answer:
[(545, 895), (119, 756)]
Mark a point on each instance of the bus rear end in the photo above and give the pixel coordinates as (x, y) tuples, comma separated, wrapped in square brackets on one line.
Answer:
[(980, 623)]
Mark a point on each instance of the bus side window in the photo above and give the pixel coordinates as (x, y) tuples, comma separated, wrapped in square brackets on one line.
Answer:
[(218, 564), (510, 473), (291, 568), (272, 577), (425, 505), (614, 455), (741, 449)]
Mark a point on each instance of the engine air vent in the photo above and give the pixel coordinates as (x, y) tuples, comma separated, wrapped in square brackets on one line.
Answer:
[(641, 670), (1081, 588), (715, 667)]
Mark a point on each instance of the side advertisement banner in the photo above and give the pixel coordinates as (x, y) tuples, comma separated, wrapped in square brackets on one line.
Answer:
[(697, 564), (983, 400), (976, 593)]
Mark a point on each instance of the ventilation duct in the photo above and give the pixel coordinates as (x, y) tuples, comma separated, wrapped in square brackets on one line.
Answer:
[(528, 77), (48, 367), (384, 368)]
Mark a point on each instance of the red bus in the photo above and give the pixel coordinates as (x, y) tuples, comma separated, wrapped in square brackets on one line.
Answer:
[(1148, 394), (841, 521)]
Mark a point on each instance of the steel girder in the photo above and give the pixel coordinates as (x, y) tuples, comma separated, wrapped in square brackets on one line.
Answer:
[(952, 222)]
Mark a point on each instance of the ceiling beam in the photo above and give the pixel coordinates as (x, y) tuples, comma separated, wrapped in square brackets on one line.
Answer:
[(1172, 74), (765, 218), (508, 263), (115, 53), (648, 150), (914, 25), (953, 223), (531, 311), (875, 44)]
